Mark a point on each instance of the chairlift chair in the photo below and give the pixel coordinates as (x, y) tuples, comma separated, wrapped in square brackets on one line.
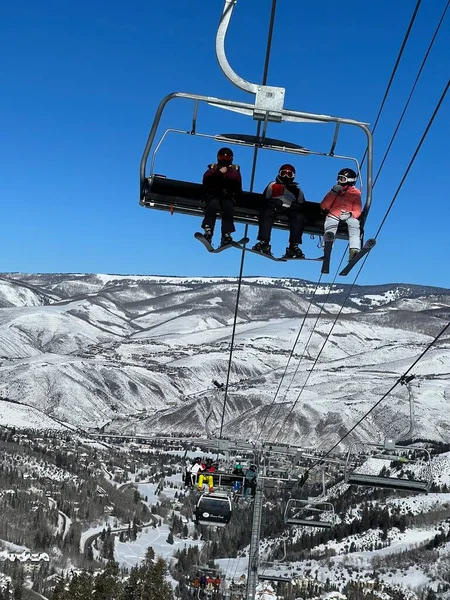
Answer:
[(213, 509), (411, 456), (393, 451), (310, 513), (162, 193)]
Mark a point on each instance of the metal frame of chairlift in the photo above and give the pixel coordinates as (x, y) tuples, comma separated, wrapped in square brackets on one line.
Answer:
[(161, 193), (391, 450), (312, 507), (275, 563)]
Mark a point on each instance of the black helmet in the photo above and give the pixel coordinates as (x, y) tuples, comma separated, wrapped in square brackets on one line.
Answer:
[(224, 157), (252, 467), (226, 151), (347, 176)]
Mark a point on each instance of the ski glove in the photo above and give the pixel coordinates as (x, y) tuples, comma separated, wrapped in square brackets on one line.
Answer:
[(337, 189)]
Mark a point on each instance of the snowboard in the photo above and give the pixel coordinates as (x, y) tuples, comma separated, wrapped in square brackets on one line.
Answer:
[(269, 256), (364, 250), (238, 244)]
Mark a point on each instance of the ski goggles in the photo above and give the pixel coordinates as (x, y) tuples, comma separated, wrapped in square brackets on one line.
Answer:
[(287, 173), (345, 179), (225, 156)]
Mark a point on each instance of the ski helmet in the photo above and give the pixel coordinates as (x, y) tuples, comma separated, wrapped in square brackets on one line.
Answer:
[(225, 156), (287, 172), (347, 177)]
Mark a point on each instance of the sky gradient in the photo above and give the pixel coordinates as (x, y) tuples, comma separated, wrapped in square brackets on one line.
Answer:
[(82, 82)]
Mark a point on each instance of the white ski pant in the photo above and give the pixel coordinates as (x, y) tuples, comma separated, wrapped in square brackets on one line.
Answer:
[(332, 222)]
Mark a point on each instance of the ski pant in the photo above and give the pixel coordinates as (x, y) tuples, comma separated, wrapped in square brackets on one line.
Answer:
[(250, 487), (208, 478), (226, 206), (354, 235), (268, 213)]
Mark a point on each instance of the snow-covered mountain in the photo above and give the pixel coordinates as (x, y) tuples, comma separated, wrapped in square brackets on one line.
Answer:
[(139, 353)]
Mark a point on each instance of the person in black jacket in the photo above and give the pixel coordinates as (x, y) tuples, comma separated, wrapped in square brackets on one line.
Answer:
[(251, 476), (282, 196), (223, 186)]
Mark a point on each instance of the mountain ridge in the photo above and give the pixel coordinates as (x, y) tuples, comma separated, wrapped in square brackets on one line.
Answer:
[(89, 349)]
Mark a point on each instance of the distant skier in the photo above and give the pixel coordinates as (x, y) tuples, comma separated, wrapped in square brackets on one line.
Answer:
[(343, 203), (205, 474), (195, 468), (223, 186), (238, 481), (251, 476), (282, 196)]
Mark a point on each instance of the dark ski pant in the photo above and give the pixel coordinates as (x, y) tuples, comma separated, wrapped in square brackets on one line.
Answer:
[(226, 206), (269, 211), (250, 488)]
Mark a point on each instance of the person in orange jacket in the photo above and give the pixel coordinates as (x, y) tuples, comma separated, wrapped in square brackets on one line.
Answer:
[(343, 203)]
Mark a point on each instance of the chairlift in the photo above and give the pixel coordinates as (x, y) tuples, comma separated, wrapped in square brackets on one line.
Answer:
[(314, 512), (185, 197), (213, 509), (411, 456), (414, 458), (309, 513)]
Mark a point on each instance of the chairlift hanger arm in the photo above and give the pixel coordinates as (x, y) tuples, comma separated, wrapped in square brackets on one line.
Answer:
[(241, 83)]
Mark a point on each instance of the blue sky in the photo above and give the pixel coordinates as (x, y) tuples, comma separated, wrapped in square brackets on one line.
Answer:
[(80, 86)]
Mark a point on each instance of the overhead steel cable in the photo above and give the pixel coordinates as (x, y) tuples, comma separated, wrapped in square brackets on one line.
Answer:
[(288, 362), (397, 62), (399, 380), (252, 180), (402, 181), (399, 122), (424, 135), (379, 170), (330, 287), (394, 70)]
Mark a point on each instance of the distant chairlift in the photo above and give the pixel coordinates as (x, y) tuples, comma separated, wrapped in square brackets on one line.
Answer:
[(314, 512), (266, 575), (411, 459), (310, 513)]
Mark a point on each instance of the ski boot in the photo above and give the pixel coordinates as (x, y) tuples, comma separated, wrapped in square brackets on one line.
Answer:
[(352, 253), (208, 233), (226, 240), (263, 247), (293, 251)]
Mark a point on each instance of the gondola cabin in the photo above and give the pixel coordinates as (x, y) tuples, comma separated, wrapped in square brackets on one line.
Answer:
[(213, 509)]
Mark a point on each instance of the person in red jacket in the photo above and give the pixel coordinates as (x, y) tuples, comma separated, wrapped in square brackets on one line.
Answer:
[(343, 203), (223, 185), (282, 196)]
